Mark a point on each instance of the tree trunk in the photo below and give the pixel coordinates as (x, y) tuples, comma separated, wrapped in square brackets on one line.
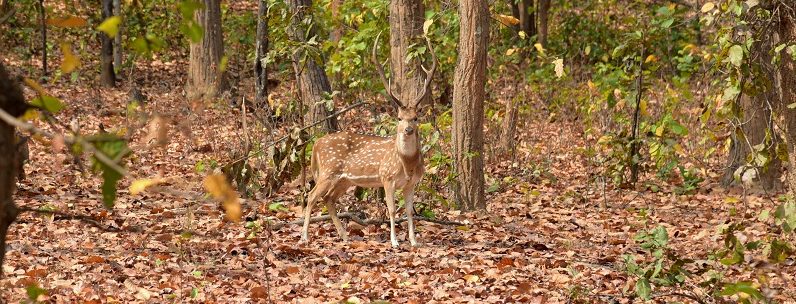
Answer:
[(406, 27), (313, 84), (108, 75), (544, 13), (12, 102), (515, 12), (527, 16), (43, 29), (205, 78), (260, 53), (469, 86), (755, 118), (787, 31), (117, 41)]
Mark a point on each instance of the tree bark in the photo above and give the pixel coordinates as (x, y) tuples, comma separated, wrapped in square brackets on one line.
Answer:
[(117, 41), (544, 13), (260, 53), (205, 78), (787, 31), (12, 102), (755, 118), (43, 29), (527, 17), (311, 78), (406, 27), (107, 75), (515, 12), (469, 86)]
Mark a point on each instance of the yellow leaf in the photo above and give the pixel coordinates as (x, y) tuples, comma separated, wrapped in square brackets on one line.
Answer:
[(220, 189), (110, 26), (559, 67), (70, 62), (642, 107), (140, 185), (426, 25), (523, 35), (510, 51), (539, 48), (651, 58), (35, 86), (471, 278), (591, 85), (507, 20), (659, 131), (587, 51), (463, 228), (732, 200), (30, 115), (70, 21), (708, 7)]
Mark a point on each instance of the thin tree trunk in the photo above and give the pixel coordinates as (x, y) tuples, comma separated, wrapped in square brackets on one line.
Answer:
[(12, 102), (43, 29), (544, 12), (469, 85), (406, 27), (205, 78), (261, 51), (108, 75), (117, 41), (787, 71), (313, 84), (515, 12)]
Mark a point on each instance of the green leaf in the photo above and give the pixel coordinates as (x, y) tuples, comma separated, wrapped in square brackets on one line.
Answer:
[(667, 23), (34, 291), (193, 31), (643, 288), (730, 93), (741, 287), (187, 8), (677, 128), (110, 26), (48, 103), (278, 206), (115, 149), (736, 55)]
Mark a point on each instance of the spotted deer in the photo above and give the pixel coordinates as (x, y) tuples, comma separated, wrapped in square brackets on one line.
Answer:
[(345, 159)]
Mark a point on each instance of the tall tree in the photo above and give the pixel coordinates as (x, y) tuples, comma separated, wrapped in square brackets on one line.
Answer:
[(312, 81), (406, 27), (787, 32), (469, 85), (205, 78), (117, 41), (544, 14), (107, 74), (260, 53), (11, 102)]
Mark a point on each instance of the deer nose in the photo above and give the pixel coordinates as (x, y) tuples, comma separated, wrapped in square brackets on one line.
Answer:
[(409, 130)]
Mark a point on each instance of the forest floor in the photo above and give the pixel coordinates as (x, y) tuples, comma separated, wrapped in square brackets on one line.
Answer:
[(552, 234)]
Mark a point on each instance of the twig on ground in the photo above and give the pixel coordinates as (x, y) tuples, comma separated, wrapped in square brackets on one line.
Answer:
[(59, 215)]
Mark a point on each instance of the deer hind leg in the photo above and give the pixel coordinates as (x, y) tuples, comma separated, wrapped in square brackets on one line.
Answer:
[(330, 206), (322, 187), (409, 201), (389, 195)]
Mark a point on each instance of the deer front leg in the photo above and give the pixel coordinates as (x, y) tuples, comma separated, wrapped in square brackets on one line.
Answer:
[(389, 195), (409, 201), (321, 187)]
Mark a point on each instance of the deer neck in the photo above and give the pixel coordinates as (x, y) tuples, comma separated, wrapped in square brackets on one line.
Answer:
[(408, 150)]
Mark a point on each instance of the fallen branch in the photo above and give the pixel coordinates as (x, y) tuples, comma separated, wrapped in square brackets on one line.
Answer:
[(355, 216), (59, 215)]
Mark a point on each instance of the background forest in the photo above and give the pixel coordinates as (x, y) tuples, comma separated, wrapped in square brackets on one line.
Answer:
[(615, 151)]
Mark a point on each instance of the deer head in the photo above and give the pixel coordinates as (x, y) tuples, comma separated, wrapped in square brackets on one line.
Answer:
[(406, 130)]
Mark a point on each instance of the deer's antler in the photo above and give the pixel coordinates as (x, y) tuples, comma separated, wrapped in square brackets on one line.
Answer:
[(429, 74), (387, 83)]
